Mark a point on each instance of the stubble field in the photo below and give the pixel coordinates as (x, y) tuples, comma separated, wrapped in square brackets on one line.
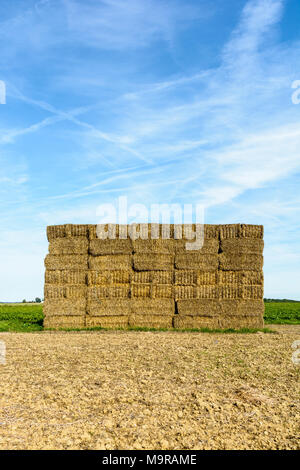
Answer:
[(150, 390)]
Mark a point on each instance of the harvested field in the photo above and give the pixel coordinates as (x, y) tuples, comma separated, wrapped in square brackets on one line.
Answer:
[(150, 390)]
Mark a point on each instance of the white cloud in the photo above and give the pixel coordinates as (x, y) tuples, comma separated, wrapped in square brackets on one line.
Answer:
[(240, 145), (262, 157), (257, 18), (115, 24)]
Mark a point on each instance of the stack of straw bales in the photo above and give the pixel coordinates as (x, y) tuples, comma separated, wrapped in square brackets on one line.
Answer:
[(154, 282)]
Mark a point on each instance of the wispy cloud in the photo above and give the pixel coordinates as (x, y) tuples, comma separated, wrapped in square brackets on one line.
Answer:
[(114, 24), (257, 18), (227, 120), (119, 141)]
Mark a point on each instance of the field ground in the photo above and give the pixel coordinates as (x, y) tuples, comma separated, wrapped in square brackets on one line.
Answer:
[(150, 390), (29, 317)]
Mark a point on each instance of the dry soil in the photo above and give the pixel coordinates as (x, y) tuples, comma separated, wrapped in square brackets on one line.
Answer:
[(145, 390)]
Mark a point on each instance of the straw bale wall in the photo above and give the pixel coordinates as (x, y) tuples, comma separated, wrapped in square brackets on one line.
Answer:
[(154, 283)]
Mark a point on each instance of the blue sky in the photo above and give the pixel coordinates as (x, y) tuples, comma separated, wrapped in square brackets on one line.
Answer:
[(162, 101)]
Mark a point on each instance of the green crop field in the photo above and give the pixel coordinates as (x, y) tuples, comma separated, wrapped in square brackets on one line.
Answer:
[(282, 313), (29, 317), (21, 317)]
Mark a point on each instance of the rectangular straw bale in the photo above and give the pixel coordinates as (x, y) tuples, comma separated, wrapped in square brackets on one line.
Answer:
[(122, 231), (110, 262), (185, 278), (76, 230), (55, 231), (66, 262), (210, 246), (162, 277), (242, 245), (196, 261), (241, 262), (228, 307), (63, 276), (153, 246), (121, 277), (162, 291), (184, 232), (154, 277), (157, 231), (92, 231), (139, 231), (241, 231), (64, 292), (64, 321), (177, 231), (241, 277), (229, 231), (153, 262), (191, 322), (202, 307), (162, 231), (75, 292), (206, 278), (142, 277), (173, 231), (108, 292), (249, 308), (108, 277), (184, 292), (237, 322), (190, 231), (96, 278), (230, 292), (211, 231), (216, 307), (64, 307), (54, 292), (141, 290), (69, 246), (252, 231), (187, 232), (240, 307), (253, 292), (110, 247), (153, 306), (111, 231), (109, 307), (107, 321), (150, 321), (234, 321), (179, 246), (206, 292)]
